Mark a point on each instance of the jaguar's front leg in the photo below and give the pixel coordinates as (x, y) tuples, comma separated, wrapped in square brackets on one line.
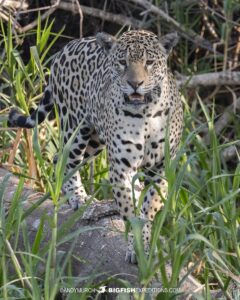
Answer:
[(121, 180), (73, 188), (153, 202)]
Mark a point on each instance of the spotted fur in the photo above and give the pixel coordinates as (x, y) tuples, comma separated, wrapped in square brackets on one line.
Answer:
[(125, 96)]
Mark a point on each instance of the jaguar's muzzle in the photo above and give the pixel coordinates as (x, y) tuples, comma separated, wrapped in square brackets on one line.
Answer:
[(137, 99)]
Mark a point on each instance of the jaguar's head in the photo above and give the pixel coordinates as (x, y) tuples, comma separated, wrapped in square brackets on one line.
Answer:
[(138, 62)]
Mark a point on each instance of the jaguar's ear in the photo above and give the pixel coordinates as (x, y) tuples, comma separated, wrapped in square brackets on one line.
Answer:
[(106, 41), (169, 41)]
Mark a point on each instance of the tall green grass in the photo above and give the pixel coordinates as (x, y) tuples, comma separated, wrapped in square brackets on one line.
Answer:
[(199, 224)]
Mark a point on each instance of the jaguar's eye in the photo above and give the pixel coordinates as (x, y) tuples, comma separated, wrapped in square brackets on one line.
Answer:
[(149, 62), (122, 62)]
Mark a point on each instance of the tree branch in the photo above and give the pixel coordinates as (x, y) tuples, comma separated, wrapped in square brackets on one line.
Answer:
[(186, 32), (34, 23), (98, 13), (209, 79)]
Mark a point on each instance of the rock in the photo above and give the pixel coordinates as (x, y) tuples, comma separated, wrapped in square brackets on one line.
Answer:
[(100, 244)]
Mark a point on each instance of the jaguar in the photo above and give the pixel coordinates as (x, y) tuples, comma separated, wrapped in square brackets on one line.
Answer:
[(126, 99)]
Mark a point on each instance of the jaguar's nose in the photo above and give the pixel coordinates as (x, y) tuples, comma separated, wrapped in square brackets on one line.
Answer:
[(135, 84)]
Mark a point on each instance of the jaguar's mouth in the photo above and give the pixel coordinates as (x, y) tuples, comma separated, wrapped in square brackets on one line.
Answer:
[(137, 99)]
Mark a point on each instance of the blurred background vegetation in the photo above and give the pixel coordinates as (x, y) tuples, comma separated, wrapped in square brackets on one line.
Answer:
[(201, 226)]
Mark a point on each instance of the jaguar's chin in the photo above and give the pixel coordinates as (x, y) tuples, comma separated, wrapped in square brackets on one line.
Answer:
[(137, 99)]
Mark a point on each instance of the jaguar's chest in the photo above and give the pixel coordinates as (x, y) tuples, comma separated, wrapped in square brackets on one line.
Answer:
[(138, 136), (155, 129)]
